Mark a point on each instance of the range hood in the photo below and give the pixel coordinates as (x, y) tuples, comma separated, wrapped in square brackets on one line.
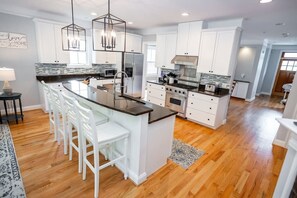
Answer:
[(185, 60)]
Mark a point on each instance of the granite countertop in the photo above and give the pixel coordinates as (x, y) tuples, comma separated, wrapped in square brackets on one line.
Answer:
[(221, 92), (67, 77), (121, 103), (157, 82)]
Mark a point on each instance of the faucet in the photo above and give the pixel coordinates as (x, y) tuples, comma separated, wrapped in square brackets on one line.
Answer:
[(114, 81)]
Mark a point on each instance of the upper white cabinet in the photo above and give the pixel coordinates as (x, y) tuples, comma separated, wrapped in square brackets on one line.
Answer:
[(100, 57), (165, 51), (218, 51), (133, 42), (188, 39), (49, 43)]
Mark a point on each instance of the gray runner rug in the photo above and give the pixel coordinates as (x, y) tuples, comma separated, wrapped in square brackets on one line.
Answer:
[(11, 184)]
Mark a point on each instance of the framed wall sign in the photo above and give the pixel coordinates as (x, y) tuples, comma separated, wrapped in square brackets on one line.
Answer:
[(13, 40)]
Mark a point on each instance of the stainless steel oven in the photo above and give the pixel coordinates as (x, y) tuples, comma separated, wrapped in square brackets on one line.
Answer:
[(176, 99)]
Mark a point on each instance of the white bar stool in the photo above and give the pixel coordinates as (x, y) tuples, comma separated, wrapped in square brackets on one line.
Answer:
[(72, 115), (101, 136)]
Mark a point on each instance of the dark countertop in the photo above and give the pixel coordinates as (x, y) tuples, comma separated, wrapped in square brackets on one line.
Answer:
[(67, 77), (157, 82), (242, 81), (124, 104), (221, 92)]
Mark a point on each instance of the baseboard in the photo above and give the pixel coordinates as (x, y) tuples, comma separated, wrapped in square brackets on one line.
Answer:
[(250, 100), (26, 108), (279, 143), (265, 93), (137, 179)]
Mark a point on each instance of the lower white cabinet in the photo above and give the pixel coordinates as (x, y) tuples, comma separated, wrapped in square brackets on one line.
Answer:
[(207, 110), (156, 94), (94, 82), (240, 90), (42, 95)]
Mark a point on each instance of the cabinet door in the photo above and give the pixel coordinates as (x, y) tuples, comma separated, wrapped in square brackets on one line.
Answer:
[(45, 42), (223, 52), (206, 53), (61, 56), (194, 38), (133, 43), (111, 57), (160, 50), (182, 39), (99, 57), (170, 50)]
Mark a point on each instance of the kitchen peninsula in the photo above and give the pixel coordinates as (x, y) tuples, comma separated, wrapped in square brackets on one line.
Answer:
[(151, 127)]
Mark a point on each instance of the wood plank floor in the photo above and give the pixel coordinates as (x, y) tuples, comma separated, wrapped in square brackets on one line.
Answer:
[(240, 160)]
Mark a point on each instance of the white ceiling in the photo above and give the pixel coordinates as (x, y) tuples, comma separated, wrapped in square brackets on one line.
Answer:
[(259, 19)]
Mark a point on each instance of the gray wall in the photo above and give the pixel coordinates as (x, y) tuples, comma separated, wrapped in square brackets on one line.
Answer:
[(272, 66), (22, 60)]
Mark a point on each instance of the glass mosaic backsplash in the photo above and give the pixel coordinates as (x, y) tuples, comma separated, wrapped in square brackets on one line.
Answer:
[(58, 69), (212, 78)]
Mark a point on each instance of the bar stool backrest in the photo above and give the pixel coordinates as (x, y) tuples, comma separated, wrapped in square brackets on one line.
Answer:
[(87, 123), (70, 109)]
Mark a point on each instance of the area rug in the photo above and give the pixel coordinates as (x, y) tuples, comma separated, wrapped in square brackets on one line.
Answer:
[(184, 154), (11, 184)]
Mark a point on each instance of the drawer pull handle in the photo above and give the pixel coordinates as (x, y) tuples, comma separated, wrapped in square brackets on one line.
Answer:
[(190, 113), (209, 107), (211, 99), (192, 94), (191, 103), (208, 119), (161, 94), (149, 92)]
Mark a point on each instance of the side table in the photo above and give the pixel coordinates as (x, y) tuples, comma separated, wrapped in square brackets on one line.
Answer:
[(16, 115)]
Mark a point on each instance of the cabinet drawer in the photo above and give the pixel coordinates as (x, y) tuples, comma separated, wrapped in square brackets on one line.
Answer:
[(201, 105), (156, 93), (200, 116), (204, 97), (156, 101), (155, 86)]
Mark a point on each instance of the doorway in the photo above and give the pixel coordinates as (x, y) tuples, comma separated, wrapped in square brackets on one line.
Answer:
[(286, 72)]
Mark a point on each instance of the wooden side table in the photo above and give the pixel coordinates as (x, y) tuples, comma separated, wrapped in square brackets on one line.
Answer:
[(12, 97)]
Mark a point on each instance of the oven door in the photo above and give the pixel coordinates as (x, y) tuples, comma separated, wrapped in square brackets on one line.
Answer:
[(175, 102)]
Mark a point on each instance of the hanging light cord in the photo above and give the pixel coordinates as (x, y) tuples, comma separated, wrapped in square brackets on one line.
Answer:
[(72, 11)]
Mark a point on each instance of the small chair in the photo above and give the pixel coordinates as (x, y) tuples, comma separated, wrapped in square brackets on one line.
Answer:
[(49, 101), (59, 117), (101, 137), (73, 122)]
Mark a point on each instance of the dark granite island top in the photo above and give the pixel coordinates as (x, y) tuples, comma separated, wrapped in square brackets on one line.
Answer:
[(124, 104)]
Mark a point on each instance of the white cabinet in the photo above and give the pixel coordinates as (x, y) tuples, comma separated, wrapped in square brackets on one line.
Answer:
[(188, 39), (156, 94), (133, 42), (100, 57), (240, 89), (49, 43), (218, 51), (207, 110), (165, 50)]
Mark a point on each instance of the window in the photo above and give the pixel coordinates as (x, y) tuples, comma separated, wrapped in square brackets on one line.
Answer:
[(79, 58), (151, 60), (289, 61)]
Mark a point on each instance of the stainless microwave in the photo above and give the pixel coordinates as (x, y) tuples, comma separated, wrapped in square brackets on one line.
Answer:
[(109, 72)]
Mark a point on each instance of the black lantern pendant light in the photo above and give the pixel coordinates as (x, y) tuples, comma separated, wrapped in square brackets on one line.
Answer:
[(73, 36), (104, 32)]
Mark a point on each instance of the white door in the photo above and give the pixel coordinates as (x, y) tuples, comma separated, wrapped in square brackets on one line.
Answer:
[(182, 39), (223, 52), (61, 56), (206, 53), (194, 38)]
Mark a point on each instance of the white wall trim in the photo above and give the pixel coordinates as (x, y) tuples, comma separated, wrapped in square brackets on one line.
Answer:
[(250, 99), (26, 108), (279, 143)]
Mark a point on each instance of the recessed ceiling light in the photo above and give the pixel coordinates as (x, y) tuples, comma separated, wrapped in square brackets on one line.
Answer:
[(280, 24), (265, 1), (130, 22), (185, 14), (93, 14)]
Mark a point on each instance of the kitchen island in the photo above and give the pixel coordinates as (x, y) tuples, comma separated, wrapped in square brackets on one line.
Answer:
[(151, 127)]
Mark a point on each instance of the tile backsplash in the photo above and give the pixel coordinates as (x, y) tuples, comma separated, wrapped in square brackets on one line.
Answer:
[(57, 69), (212, 78)]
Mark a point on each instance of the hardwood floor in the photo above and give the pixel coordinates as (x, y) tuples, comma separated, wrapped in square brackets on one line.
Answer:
[(239, 159)]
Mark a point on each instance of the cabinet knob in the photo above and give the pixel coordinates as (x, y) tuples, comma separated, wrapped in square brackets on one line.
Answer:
[(209, 107), (161, 94), (163, 65), (211, 99), (192, 94), (208, 119), (191, 103), (190, 113), (132, 50), (149, 92)]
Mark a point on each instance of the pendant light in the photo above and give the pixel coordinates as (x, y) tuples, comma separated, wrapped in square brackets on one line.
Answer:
[(73, 36), (104, 32)]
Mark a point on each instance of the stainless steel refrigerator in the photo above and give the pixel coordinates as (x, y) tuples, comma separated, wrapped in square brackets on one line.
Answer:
[(134, 70)]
